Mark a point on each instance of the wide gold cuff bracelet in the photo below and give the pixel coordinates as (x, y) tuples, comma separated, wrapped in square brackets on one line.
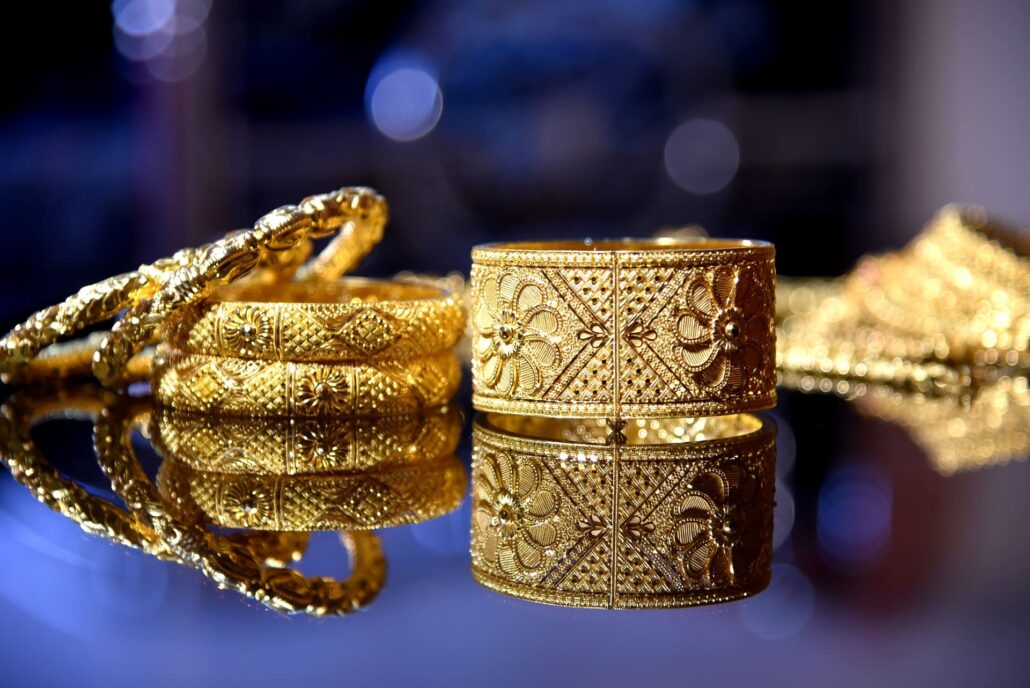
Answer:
[(297, 446), (352, 501), (679, 514), (236, 386), (624, 328), (347, 320)]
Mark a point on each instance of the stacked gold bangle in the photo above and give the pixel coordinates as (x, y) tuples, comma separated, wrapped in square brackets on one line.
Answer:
[(351, 347), (680, 514)]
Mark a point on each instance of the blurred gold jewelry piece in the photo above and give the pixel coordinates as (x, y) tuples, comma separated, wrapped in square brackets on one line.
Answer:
[(623, 328), (366, 500), (964, 430), (645, 514), (347, 320), (298, 446), (236, 386), (250, 563), (933, 317), (278, 244)]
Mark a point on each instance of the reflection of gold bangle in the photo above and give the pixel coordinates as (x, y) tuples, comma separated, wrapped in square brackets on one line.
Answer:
[(354, 501), (624, 328), (224, 558), (293, 446), (250, 562), (216, 384), (349, 320), (652, 522)]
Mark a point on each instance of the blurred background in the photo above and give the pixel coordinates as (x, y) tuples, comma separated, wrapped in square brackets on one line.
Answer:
[(130, 129)]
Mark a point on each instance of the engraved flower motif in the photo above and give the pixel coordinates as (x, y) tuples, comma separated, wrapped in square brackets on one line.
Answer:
[(321, 447), (516, 334), (248, 507), (707, 529), (718, 342), (323, 391), (247, 330), (513, 513)]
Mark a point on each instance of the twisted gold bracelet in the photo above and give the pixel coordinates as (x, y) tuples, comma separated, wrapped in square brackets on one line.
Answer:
[(157, 291)]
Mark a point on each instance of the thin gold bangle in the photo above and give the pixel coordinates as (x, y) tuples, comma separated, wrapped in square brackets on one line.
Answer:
[(623, 328)]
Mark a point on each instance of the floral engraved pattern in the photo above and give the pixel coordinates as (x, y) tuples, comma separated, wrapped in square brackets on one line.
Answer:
[(247, 331), (516, 334), (719, 343), (514, 514), (249, 507), (706, 530), (324, 391), (320, 448)]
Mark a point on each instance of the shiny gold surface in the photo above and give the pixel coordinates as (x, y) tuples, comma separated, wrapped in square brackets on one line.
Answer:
[(346, 320), (365, 500), (623, 328), (623, 525), (299, 446), (251, 563), (236, 386), (272, 251)]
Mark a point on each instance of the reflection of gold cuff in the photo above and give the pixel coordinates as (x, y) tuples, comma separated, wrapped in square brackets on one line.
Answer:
[(654, 522), (628, 328), (236, 386), (354, 501), (292, 446), (349, 320)]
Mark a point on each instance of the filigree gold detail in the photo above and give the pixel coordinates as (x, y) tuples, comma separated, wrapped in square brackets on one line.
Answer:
[(247, 331), (675, 523), (324, 391), (720, 341), (514, 514), (515, 330)]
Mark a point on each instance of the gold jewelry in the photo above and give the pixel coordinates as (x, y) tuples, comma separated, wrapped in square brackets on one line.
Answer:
[(663, 515), (297, 446), (236, 386), (222, 558), (367, 500), (348, 320), (623, 328), (155, 292), (251, 563)]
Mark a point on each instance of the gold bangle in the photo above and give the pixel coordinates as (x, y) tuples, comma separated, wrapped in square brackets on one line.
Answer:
[(348, 320), (236, 386), (157, 291), (678, 514), (296, 446), (366, 500), (623, 328)]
